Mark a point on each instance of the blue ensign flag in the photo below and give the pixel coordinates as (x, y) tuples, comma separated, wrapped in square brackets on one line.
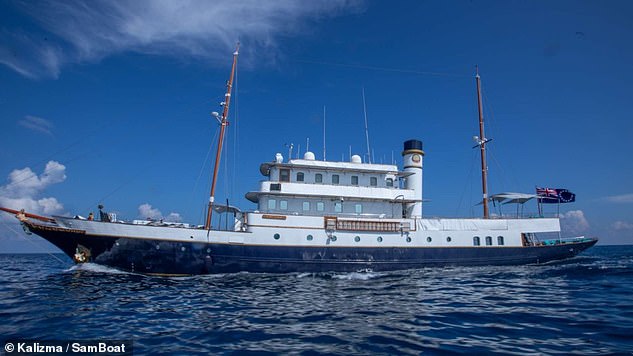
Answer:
[(555, 196)]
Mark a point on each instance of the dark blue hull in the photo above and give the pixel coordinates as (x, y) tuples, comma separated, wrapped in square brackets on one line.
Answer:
[(186, 258)]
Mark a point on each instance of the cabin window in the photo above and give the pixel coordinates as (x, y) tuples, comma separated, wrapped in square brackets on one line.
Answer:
[(500, 240), (272, 204), (276, 236), (488, 240), (320, 206), (476, 241), (300, 176), (429, 239), (338, 207), (306, 206), (358, 208), (354, 180), (275, 186), (309, 237), (389, 182), (373, 181), (379, 239), (448, 239), (357, 238), (318, 178), (334, 178), (284, 175), (283, 205)]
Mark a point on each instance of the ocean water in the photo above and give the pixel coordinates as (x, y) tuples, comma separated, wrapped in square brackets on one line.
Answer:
[(581, 306)]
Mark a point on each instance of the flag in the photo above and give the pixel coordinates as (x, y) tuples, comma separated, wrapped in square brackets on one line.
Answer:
[(555, 196)]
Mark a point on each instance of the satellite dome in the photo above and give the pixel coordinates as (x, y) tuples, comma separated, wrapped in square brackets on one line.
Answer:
[(356, 159), (308, 156)]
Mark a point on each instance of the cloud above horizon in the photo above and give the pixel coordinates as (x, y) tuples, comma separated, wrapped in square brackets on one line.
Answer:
[(622, 198), (146, 211), (25, 187), (574, 222), (37, 124), (78, 31)]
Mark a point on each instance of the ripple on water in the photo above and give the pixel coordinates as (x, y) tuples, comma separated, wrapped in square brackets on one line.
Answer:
[(578, 306)]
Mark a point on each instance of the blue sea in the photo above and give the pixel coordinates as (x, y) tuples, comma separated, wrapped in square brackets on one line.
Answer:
[(581, 306)]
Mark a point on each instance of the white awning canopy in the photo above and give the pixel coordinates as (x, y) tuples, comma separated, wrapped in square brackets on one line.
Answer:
[(512, 198)]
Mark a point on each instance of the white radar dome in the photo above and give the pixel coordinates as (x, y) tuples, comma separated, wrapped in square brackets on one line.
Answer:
[(279, 158), (309, 156), (356, 159)]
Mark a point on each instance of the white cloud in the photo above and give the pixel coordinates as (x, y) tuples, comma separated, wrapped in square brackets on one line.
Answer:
[(146, 211), (622, 225), (622, 198), (37, 124), (574, 222), (25, 187), (80, 31)]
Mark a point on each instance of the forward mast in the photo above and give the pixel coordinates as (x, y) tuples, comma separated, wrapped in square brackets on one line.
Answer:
[(223, 123)]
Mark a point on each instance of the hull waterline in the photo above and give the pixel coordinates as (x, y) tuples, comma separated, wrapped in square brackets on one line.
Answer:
[(161, 257)]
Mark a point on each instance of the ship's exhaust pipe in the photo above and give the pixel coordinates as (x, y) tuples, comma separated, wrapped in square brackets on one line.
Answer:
[(412, 157)]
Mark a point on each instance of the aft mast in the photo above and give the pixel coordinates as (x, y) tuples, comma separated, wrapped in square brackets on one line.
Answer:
[(223, 123), (481, 142)]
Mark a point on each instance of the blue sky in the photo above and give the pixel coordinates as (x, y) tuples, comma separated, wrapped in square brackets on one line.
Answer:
[(109, 102)]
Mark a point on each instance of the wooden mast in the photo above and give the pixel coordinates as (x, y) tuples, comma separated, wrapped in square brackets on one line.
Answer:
[(482, 148), (223, 123)]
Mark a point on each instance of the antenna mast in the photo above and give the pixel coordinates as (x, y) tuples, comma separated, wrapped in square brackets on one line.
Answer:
[(324, 133), (366, 127), (482, 147), (223, 123)]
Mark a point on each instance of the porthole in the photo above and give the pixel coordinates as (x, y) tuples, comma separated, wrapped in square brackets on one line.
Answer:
[(208, 250), (429, 239), (408, 239), (309, 237), (158, 247), (182, 249), (448, 239), (191, 237), (117, 243), (276, 236), (379, 239), (357, 238), (333, 238)]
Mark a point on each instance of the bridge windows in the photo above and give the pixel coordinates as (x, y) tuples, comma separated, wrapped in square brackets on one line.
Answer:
[(320, 206), (284, 175), (318, 178), (272, 204), (283, 205), (354, 180), (300, 177), (389, 182), (335, 178)]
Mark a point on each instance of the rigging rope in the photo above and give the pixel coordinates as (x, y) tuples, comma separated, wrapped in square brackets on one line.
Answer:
[(30, 241), (385, 69)]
